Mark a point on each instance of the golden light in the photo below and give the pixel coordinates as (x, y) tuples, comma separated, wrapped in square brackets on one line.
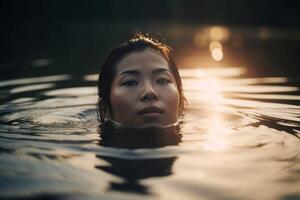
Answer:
[(215, 45), (216, 33), (216, 126), (217, 54), (212, 90), (216, 133), (205, 88), (215, 141)]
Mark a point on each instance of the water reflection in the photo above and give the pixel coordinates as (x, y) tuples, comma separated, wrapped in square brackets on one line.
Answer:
[(228, 72), (215, 132), (234, 129), (278, 124), (131, 138), (31, 88), (31, 80), (133, 170)]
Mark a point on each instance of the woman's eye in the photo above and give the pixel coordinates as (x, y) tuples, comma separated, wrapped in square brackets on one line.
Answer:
[(163, 81), (130, 83)]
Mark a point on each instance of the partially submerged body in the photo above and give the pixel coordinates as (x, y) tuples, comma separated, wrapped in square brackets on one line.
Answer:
[(139, 85)]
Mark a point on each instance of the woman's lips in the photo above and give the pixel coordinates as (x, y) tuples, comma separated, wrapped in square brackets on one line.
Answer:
[(151, 110)]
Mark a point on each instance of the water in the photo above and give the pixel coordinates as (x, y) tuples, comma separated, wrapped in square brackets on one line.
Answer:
[(239, 139)]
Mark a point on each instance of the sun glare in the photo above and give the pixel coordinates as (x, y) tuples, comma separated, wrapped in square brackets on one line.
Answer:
[(217, 54), (212, 91), (213, 37), (215, 45), (216, 33)]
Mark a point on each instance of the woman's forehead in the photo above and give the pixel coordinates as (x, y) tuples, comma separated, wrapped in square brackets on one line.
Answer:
[(140, 60)]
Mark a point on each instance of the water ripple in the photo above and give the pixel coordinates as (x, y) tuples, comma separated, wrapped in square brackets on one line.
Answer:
[(234, 129)]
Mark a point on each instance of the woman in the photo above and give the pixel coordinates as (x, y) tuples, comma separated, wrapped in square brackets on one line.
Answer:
[(139, 85)]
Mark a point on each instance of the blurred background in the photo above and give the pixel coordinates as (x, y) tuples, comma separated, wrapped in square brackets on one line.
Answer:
[(73, 37)]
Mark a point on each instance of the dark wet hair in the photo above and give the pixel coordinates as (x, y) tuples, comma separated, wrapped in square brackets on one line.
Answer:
[(139, 42)]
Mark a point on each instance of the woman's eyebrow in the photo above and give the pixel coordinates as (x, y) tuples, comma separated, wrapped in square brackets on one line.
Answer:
[(131, 71), (136, 72), (160, 70)]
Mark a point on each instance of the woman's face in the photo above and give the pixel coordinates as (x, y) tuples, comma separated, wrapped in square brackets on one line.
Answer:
[(144, 91)]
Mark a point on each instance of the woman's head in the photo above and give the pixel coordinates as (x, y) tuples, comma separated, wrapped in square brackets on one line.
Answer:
[(139, 85)]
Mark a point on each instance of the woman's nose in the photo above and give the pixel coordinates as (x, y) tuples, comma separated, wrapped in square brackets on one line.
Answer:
[(149, 93)]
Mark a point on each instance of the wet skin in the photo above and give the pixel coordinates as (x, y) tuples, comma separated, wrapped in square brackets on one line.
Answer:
[(144, 91)]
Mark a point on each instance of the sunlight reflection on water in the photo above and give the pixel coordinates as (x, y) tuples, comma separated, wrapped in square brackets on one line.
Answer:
[(233, 143)]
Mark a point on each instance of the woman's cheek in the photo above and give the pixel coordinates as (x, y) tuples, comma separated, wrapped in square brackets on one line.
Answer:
[(171, 94), (125, 96)]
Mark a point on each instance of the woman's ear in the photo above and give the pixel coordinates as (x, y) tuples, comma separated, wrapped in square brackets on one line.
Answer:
[(103, 111)]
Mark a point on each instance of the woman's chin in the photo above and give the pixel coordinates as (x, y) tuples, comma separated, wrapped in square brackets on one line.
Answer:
[(149, 124)]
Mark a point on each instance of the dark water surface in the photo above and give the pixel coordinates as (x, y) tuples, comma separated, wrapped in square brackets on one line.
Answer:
[(239, 139)]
